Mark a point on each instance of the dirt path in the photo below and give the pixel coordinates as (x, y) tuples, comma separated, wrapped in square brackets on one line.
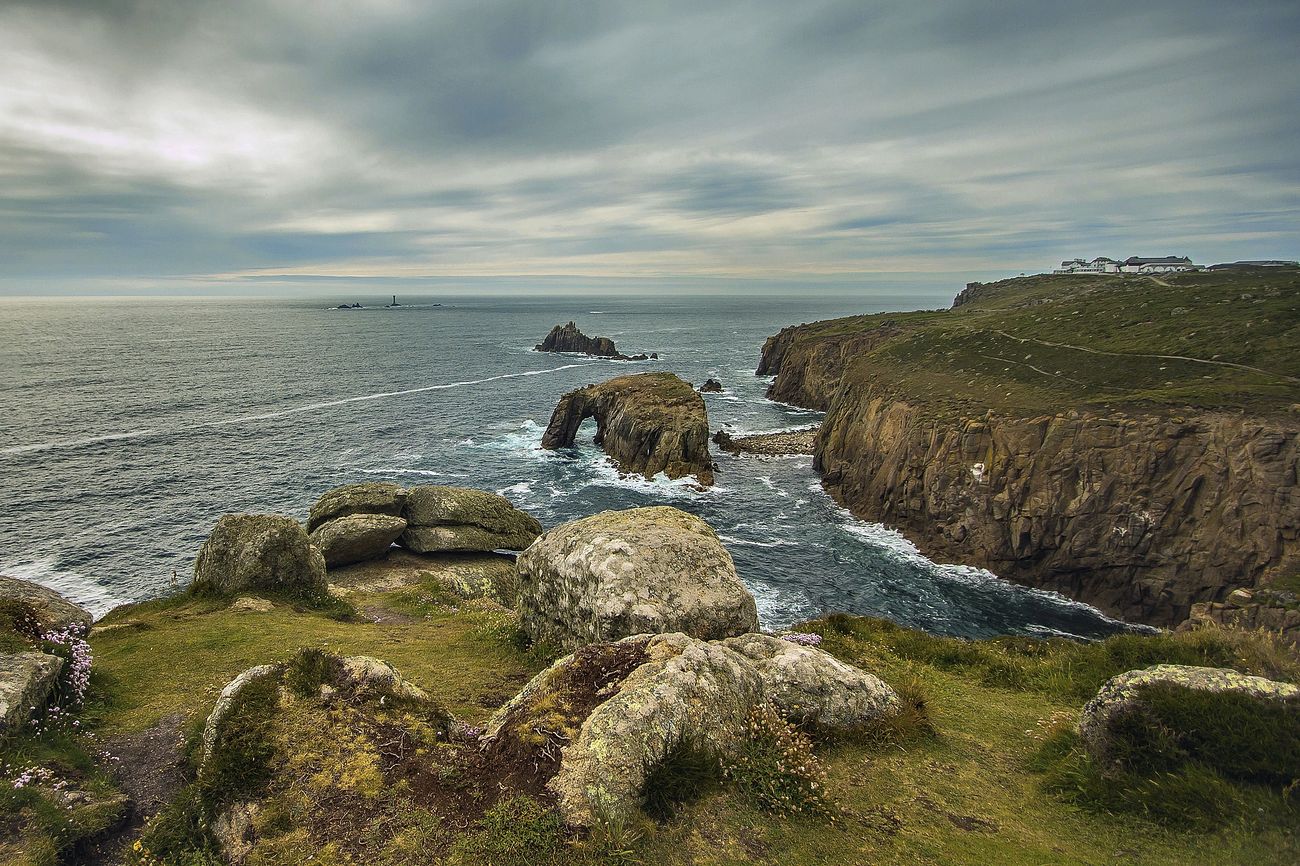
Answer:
[(1275, 375), (150, 773)]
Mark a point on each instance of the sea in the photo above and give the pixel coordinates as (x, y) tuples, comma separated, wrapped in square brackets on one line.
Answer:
[(129, 426)]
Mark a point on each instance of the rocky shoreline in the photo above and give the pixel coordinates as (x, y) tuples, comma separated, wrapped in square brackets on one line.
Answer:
[(787, 443)]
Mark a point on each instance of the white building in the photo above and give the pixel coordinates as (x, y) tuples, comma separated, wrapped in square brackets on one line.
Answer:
[(1099, 265)]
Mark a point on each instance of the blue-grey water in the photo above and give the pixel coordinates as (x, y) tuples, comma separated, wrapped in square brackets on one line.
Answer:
[(129, 427)]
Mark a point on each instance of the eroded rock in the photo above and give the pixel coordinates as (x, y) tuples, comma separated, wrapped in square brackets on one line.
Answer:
[(813, 687), (639, 571), (371, 497), (462, 519), (259, 552), (356, 537), (648, 423)]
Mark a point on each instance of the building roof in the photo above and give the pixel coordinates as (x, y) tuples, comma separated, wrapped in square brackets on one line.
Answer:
[(1163, 260)]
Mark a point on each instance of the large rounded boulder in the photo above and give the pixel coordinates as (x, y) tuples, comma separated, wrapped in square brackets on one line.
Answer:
[(370, 497), (639, 571), (356, 537), (462, 519), (265, 552)]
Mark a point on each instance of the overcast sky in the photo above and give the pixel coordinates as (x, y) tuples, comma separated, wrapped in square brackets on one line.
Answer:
[(535, 142)]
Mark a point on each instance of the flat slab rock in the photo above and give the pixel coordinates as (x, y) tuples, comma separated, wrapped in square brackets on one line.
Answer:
[(26, 680), (443, 518), (356, 537), (638, 571), (370, 497)]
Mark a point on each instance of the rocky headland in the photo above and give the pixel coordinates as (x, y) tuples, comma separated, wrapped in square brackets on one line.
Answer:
[(1130, 444), (568, 338), (605, 696), (647, 423)]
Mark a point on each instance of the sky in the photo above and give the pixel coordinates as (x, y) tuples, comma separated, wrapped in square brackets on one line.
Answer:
[(151, 145)]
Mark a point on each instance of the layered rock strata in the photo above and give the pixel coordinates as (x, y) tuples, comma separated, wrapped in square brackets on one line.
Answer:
[(648, 423), (462, 519)]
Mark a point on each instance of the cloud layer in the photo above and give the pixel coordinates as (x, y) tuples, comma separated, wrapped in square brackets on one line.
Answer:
[(159, 141)]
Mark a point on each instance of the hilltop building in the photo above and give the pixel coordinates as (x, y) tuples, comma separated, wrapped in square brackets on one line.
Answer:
[(1131, 265)]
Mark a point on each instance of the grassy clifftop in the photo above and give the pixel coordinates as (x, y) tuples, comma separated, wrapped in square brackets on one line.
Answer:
[(1226, 340)]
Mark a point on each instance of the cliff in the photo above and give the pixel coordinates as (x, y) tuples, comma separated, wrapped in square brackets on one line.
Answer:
[(1128, 442), (648, 423)]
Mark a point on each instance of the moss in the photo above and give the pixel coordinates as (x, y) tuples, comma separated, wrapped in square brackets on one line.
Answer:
[(1239, 736), (518, 830)]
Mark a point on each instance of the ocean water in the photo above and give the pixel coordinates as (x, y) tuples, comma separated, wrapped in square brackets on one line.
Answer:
[(129, 427)]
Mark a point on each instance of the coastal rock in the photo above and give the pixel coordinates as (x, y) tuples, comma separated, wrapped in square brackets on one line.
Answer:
[(639, 571), (259, 552), (780, 444), (461, 519), (813, 687), (370, 497), (648, 423), (567, 338), (356, 537), (51, 611), (687, 691), (1142, 515), (365, 676), (710, 386), (1269, 610), (26, 680), (623, 707), (1124, 693)]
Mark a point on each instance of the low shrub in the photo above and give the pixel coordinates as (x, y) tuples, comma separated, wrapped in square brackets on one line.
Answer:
[(517, 831), (774, 767)]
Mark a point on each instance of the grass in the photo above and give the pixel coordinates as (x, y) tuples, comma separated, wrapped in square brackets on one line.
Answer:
[(994, 352), (984, 769)]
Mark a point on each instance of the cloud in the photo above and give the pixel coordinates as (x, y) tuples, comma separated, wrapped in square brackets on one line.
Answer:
[(827, 141)]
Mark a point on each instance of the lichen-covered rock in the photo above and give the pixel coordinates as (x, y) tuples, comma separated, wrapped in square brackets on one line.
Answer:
[(1125, 692), (371, 497), (462, 519), (259, 551), (368, 676), (26, 680), (648, 423), (619, 709), (356, 537), (52, 611), (813, 687), (235, 832), (639, 571), (688, 690), (227, 700)]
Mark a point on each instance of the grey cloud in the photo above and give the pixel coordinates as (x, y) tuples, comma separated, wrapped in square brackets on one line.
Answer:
[(623, 139)]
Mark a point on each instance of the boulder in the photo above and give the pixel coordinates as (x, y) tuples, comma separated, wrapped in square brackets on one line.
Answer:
[(26, 680), (813, 687), (51, 611), (639, 571), (356, 537), (377, 497), (620, 709), (647, 423), (711, 386), (1124, 693), (461, 519), (687, 691), (226, 702), (259, 552)]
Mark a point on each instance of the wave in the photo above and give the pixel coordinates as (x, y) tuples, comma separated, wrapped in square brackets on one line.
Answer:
[(78, 588), (263, 416), (746, 542)]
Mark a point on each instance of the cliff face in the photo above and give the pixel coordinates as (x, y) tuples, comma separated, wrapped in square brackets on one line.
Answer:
[(1140, 516), (1127, 442), (648, 423)]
